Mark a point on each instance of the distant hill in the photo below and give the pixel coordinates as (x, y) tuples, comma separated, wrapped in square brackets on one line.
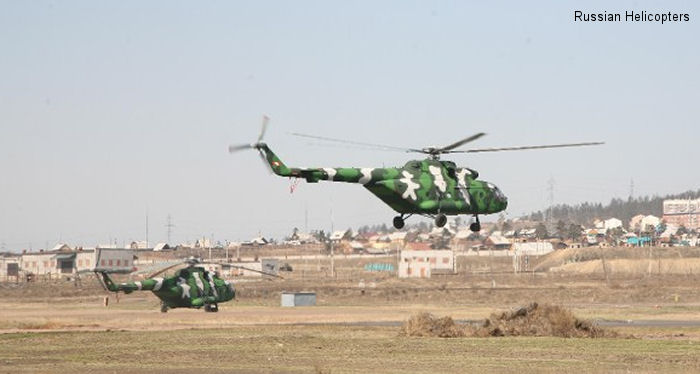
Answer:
[(624, 210)]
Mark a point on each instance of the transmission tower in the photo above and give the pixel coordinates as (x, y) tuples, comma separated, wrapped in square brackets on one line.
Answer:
[(631, 188), (550, 191), (169, 224)]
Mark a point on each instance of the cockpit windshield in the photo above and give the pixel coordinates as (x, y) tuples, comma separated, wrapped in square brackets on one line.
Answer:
[(499, 195)]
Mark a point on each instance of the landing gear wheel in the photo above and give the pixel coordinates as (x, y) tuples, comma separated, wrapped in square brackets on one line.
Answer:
[(211, 308), (440, 220), (398, 222), (163, 308), (476, 226)]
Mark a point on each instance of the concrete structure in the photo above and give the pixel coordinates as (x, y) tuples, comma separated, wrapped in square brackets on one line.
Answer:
[(9, 267), (235, 269), (414, 269), (298, 299), (682, 213), (422, 264), (69, 262), (496, 241), (532, 248)]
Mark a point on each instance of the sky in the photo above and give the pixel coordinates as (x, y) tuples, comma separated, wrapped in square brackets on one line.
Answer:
[(114, 113)]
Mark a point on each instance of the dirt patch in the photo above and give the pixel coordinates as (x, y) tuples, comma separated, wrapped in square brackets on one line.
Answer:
[(532, 320)]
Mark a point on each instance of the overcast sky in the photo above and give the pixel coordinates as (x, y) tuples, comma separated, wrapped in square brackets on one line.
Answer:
[(111, 111)]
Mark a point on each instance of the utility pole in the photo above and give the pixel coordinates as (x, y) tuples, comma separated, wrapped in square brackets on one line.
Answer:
[(332, 249), (169, 224), (146, 228)]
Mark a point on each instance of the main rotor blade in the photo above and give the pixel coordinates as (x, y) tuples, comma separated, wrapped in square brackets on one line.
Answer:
[(240, 147), (527, 147), (462, 142), (266, 119), (242, 267), (380, 146), (165, 269)]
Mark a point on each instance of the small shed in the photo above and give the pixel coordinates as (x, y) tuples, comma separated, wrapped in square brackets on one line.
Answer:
[(298, 298)]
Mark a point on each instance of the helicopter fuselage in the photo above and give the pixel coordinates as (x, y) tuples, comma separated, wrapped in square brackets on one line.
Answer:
[(192, 287), (427, 187)]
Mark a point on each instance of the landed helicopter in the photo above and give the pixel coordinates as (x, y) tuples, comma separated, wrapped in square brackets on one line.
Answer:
[(190, 287), (429, 187)]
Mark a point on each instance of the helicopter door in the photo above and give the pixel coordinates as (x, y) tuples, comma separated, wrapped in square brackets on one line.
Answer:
[(462, 176)]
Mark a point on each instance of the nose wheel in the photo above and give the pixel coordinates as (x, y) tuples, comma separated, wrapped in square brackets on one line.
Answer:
[(440, 220), (399, 222), (475, 226)]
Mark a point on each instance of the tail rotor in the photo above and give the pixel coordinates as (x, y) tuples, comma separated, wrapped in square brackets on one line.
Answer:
[(257, 145)]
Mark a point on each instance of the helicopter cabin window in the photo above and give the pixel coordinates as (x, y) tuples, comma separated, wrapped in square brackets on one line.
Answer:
[(414, 165)]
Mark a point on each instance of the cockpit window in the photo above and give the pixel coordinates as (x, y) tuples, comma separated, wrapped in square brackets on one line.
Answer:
[(413, 165), (497, 192)]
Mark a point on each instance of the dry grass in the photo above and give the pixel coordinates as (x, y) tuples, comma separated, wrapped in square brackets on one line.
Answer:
[(332, 349), (539, 320), (532, 320), (428, 325)]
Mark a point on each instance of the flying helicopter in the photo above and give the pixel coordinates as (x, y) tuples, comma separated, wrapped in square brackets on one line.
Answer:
[(190, 287), (430, 187)]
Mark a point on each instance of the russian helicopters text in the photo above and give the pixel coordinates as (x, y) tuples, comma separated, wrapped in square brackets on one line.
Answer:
[(429, 187)]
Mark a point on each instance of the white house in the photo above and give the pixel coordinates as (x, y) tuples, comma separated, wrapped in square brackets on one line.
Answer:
[(9, 267), (58, 263), (423, 263), (640, 222), (612, 223), (650, 221), (532, 248)]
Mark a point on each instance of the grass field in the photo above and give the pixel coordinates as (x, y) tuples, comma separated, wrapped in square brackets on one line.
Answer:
[(332, 349), (64, 328)]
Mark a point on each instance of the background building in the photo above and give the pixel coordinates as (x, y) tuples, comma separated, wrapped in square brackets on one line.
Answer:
[(682, 213)]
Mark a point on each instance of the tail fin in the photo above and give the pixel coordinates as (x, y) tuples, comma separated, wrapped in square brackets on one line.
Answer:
[(106, 281), (277, 166)]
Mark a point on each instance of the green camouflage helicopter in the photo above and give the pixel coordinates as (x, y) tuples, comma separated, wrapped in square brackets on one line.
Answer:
[(190, 287), (429, 187)]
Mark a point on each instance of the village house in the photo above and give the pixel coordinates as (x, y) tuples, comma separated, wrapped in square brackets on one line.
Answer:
[(67, 262), (9, 266), (497, 241), (641, 222), (421, 264)]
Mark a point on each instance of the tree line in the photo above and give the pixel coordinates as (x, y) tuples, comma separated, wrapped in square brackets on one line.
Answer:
[(624, 210)]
